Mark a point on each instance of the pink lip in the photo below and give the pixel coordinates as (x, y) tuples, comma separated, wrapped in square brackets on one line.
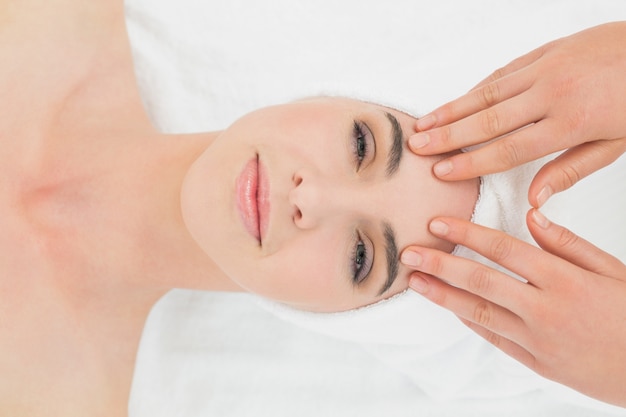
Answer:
[(252, 190)]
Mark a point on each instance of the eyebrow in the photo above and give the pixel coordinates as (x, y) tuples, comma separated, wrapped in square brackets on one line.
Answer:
[(395, 151), (391, 252)]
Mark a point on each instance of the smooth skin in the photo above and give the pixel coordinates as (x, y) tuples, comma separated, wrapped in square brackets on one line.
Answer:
[(567, 323)]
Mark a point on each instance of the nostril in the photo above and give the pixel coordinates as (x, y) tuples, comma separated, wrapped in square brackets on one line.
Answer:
[(296, 198)]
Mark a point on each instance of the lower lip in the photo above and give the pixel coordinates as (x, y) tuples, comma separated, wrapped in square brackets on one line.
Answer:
[(252, 190)]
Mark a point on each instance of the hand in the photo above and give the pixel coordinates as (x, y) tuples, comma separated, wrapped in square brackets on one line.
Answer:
[(569, 93), (568, 323)]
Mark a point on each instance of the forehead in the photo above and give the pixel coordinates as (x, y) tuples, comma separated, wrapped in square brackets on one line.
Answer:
[(351, 104)]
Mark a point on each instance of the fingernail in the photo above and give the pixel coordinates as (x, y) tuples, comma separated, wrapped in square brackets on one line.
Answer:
[(439, 228), (540, 219), (419, 140), (411, 258), (419, 284), (426, 122), (443, 168), (543, 196)]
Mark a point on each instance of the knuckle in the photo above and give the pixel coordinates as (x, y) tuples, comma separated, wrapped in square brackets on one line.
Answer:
[(490, 94), (436, 265), (471, 164), (483, 314), (444, 136), (490, 121), (566, 238), (508, 153), (493, 338), (500, 249), (480, 281), (497, 74), (570, 175)]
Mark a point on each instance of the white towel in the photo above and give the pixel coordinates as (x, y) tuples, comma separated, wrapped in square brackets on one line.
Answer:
[(200, 65)]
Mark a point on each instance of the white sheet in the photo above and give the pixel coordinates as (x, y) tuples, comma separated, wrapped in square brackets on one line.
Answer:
[(201, 65)]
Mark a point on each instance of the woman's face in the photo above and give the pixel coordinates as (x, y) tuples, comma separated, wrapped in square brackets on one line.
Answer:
[(310, 203)]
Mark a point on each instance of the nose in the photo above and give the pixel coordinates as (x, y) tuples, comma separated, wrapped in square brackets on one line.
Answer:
[(314, 198)]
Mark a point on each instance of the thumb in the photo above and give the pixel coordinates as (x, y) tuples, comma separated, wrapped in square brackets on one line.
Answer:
[(572, 166), (567, 245)]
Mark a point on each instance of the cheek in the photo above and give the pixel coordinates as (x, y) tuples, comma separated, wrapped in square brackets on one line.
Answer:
[(305, 272)]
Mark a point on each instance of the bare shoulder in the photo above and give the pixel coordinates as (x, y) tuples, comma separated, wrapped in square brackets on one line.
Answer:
[(42, 34), (48, 49), (62, 56), (57, 14), (47, 32)]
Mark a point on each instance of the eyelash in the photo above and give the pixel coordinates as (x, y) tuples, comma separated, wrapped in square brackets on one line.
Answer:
[(360, 142), (361, 263)]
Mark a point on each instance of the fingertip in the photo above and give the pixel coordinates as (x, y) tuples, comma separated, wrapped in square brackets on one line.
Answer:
[(411, 257), (443, 168), (459, 167), (543, 195), (439, 227), (419, 141), (539, 226), (540, 190), (426, 122), (539, 219)]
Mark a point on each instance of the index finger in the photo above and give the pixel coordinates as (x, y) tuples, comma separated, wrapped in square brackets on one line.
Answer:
[(497, 87), (479, 116), (481, 96), (539, 268)]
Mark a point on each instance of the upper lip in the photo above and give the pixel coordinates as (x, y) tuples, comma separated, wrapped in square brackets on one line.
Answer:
[(252, 198), (263, 199)]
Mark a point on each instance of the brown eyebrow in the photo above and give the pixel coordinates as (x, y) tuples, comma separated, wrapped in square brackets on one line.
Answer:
[(394, 155), (392, 255)]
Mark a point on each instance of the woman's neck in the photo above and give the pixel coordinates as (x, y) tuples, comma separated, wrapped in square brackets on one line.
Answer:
[(126, 207), (112, 242), (171, 257)]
